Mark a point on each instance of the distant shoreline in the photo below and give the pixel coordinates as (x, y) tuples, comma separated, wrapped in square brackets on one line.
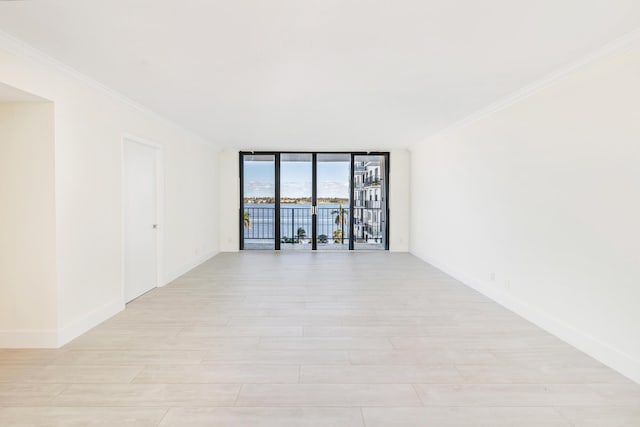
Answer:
[(295, 200)]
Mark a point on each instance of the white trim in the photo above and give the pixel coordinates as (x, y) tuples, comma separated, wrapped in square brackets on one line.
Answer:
[(28, 338), (159, 158), (603, 352), (618, 45), (24, 50), (187, 267), (89, 321)]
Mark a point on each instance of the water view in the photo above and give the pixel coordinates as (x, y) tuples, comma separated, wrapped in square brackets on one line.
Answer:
[(295, 221)]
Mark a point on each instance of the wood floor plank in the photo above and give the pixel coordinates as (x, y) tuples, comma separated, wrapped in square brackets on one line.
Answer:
[(81, 416), (278, 357), (263, 417), (129, 357), (464, 417), (597, 416), (509, 395), (78, 374), (21, 394), (328, 395), (163, 395), (218, 374), (309, 340), (326, 343), (380, 374)]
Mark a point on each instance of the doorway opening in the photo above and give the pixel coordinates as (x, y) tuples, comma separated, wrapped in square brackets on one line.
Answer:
[(314, 201)]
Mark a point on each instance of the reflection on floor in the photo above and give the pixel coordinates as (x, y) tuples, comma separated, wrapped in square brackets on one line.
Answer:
[(314, 339)]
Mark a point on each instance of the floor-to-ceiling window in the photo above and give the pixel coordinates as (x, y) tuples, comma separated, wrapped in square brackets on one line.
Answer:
[(258, 193), (370, 202), (314, 201), (333, 185), (296, 201)]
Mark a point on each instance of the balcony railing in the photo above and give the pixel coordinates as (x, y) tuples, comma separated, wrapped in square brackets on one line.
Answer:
[(373, 204), (296, 224)]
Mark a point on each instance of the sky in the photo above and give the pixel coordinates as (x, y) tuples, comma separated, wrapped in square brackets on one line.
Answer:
[(295, 179)]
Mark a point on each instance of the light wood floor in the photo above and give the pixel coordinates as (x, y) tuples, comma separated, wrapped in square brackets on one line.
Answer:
[(306, 339)]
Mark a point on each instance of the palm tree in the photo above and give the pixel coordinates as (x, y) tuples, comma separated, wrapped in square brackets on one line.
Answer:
[(341, 220), (301, 233), (247, 220)]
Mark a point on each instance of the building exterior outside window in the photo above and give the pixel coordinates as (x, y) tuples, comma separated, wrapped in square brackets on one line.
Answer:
[(367, 202)]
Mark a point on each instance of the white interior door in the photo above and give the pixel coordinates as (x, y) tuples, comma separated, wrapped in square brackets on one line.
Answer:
[(140, 219)]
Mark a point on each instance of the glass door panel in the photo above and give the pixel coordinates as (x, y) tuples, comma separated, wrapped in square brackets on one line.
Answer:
[(258, 201), (333, 201), (296, 180), (369, 202)]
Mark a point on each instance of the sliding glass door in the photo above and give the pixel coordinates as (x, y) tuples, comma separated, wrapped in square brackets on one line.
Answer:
[(258, 201), (314, 201), (296, 181), (333, 185)]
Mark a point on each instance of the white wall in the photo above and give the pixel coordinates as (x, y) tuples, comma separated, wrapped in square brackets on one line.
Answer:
[(229, 200), (398, 200), (399, 190), (545, 194), (190, 207), (90, 122), (27, 225)]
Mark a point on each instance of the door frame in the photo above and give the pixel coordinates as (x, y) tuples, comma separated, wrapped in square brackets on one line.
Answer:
[(159, 163), (314, 198)]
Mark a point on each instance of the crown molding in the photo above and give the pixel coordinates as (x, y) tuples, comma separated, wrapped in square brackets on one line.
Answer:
[(24, 50), (618, 45)]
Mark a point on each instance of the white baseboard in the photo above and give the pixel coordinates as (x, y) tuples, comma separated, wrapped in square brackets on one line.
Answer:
[(88, 321), (28, 338), (168, 278), (53, 339), (610, 356)]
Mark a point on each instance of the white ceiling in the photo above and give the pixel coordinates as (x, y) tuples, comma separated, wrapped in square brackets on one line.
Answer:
[(321, 74)]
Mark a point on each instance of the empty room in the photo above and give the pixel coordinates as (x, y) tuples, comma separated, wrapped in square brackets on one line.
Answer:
[(320, 213)]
